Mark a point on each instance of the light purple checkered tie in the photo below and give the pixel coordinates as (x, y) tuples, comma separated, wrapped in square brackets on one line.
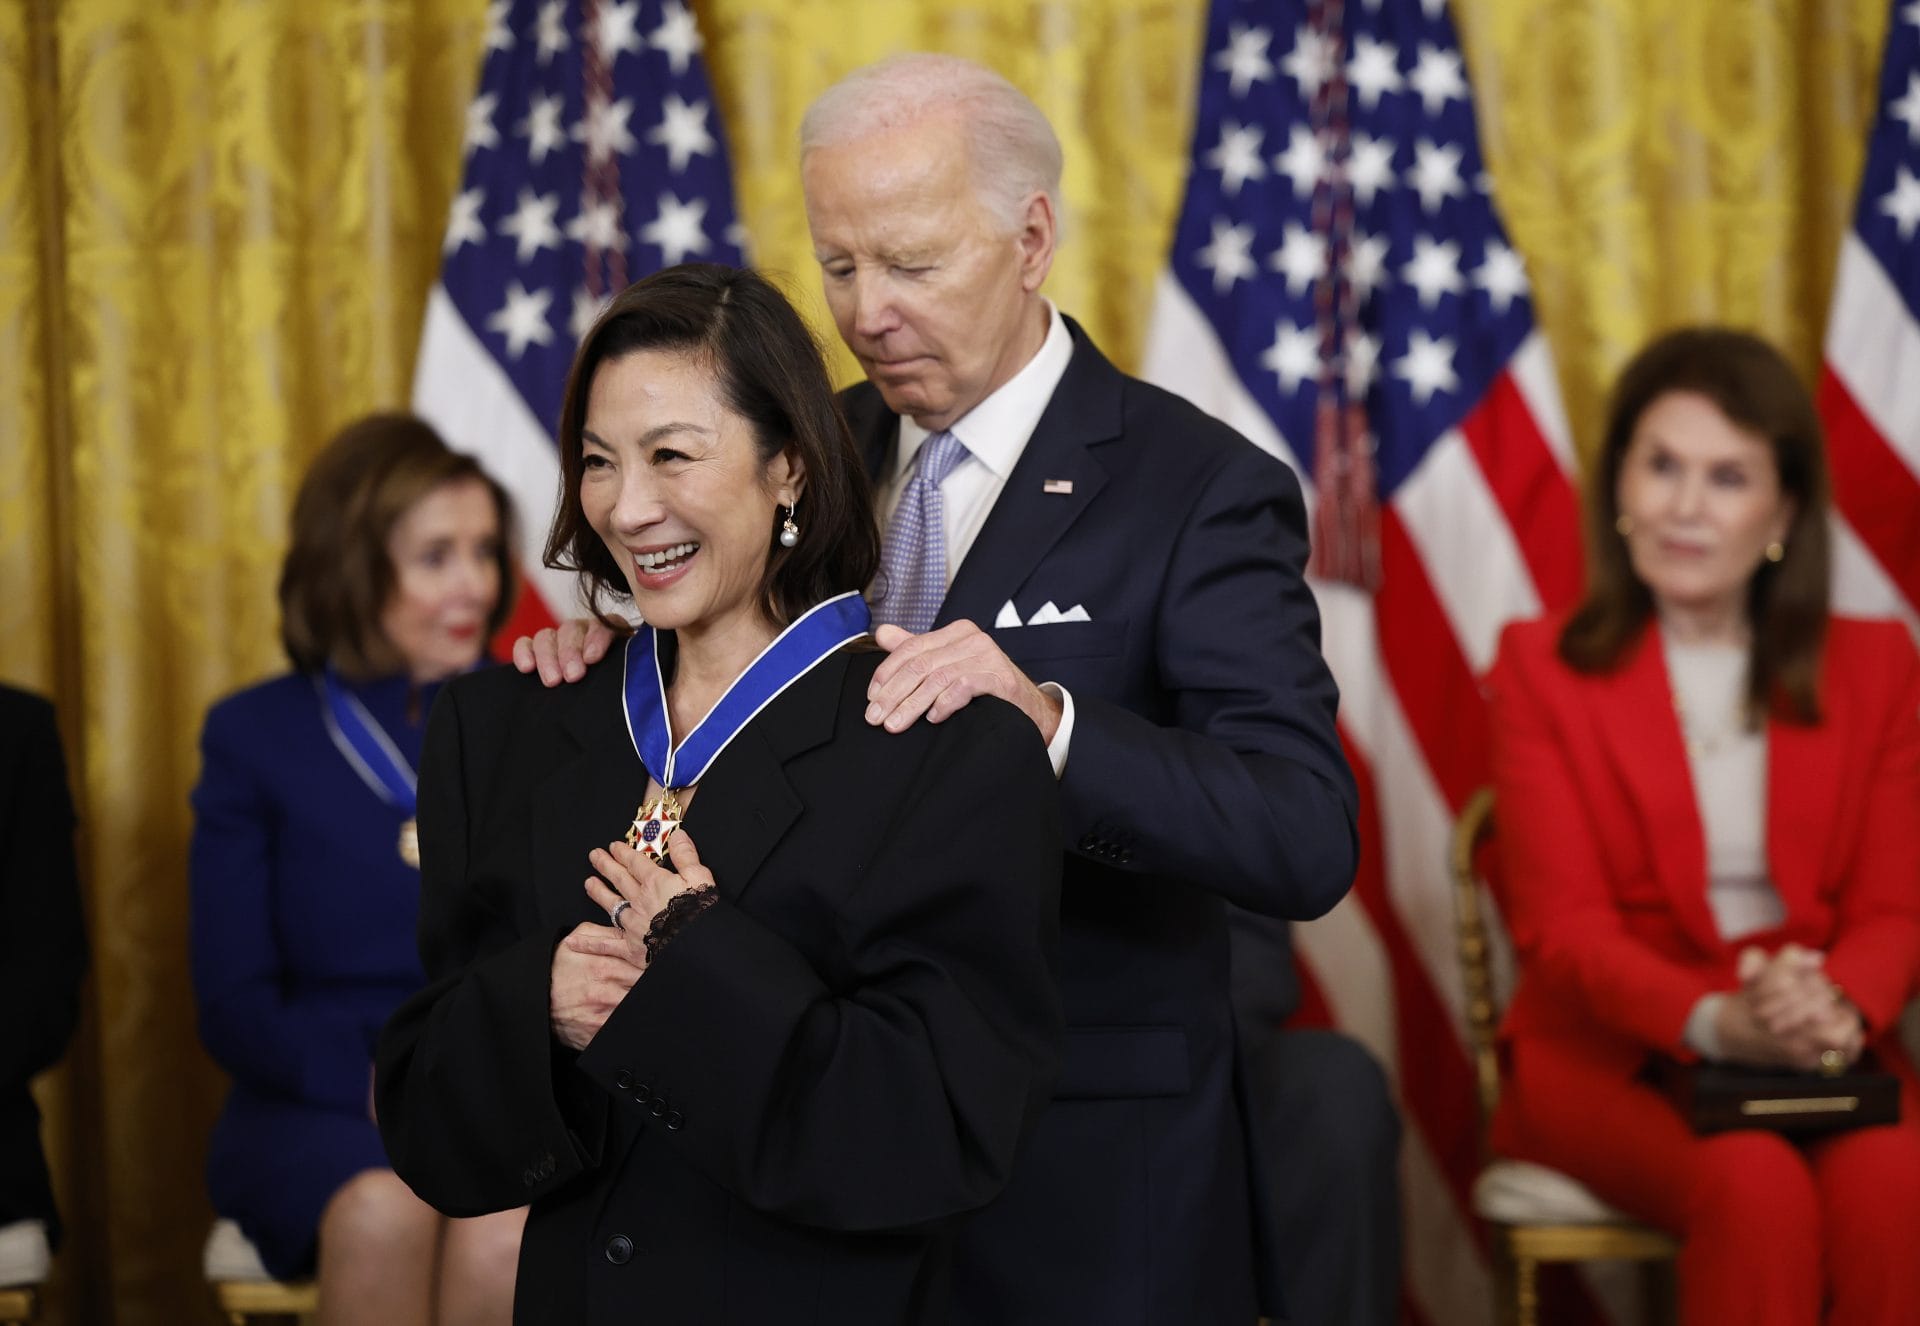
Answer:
[(913, 559)]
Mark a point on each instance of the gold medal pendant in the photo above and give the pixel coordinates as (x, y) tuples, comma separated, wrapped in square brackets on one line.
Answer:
[(654, 824), (410, 842)]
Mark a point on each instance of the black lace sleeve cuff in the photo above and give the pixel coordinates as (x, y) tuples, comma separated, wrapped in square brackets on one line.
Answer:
[(672, 919)]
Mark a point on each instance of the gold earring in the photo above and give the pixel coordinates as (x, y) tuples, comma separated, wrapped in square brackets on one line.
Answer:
[(1624, 525), (1776, 551)]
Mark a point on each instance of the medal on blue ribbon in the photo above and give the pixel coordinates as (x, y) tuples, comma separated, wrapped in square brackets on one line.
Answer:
[(796, 651), (358, 736)]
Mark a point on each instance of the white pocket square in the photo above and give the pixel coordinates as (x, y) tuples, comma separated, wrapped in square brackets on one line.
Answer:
[(1049, 613), (1007, 616)]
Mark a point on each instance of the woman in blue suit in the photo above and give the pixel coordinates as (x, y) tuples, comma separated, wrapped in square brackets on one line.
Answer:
[(306, 882)]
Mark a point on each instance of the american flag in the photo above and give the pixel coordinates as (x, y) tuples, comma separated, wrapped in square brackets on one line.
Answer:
[(1342, 291), (594, 155), (1869, 394)]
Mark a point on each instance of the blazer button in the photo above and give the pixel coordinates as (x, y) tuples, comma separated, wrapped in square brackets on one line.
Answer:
[(674, 1120), (1126, 855), (619, 1249), (659, 1107), (642, 1094), (1087, 843), (529, 1178), (623, 1079)]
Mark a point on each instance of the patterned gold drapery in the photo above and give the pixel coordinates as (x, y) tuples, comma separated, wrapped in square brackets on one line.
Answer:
[(219, 218)]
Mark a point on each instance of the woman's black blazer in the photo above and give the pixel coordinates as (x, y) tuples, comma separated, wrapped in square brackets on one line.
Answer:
[(786, 1115)]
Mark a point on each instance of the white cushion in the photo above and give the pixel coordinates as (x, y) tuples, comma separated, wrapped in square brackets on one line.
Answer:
[(1516, 1192), (25, 1257), (230, 1255)]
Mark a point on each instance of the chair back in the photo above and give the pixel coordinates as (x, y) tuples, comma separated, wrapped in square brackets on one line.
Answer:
[(1475, 827)]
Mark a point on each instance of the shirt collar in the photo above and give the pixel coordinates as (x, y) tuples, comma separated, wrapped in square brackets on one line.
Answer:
[(996, 430)]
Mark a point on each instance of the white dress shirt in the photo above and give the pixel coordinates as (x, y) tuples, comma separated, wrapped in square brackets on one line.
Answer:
[(995, 432)]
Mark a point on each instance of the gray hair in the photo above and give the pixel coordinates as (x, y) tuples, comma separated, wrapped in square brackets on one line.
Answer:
[(1015, 152)]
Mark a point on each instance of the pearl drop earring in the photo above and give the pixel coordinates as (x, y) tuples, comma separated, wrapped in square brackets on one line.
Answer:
[(789, 532)]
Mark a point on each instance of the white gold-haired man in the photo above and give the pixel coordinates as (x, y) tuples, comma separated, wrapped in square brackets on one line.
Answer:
[(1129, 572)]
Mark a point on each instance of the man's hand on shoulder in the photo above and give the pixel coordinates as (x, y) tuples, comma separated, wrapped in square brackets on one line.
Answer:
[(938, 674), (564, 652)]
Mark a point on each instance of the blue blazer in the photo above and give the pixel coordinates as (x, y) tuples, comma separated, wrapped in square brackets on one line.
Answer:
[(1204, 766), (303, 919)]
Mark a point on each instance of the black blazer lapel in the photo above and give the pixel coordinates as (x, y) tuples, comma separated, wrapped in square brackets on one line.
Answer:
[(745, 803), (588, 800)]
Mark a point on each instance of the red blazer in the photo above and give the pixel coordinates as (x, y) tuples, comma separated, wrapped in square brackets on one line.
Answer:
[(1604, 859)]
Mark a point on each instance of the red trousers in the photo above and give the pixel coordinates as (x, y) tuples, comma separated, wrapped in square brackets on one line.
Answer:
[(1773, 1232)]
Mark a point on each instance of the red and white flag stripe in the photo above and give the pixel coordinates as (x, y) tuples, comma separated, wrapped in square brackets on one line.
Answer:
[(461, 390), (1476, 537), (1870, 403)]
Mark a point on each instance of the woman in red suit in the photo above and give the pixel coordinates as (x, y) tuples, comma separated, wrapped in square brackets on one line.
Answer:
[(1709, 795)]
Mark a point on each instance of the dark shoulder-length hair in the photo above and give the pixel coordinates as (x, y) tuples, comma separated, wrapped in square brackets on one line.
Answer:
[(771, 374), (338, 576), (1757, 389)]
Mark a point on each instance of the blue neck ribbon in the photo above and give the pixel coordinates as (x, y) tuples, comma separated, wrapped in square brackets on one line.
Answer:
[(796, 651), (358, 736)]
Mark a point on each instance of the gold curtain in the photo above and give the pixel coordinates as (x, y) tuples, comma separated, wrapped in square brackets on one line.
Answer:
[(219, 218), (218, 222)]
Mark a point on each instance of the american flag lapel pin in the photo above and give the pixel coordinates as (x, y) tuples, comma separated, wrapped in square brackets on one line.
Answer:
[(1061, 486)]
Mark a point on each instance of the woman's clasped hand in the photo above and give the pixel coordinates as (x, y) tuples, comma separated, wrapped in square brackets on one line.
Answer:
[(595, 966), (1788, 1014)]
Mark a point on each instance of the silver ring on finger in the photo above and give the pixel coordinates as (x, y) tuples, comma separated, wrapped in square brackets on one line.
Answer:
[(614, 914)]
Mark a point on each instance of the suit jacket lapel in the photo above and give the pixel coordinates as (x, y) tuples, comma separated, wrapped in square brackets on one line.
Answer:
[(875, 429), (1641, 730), (1025, 521)]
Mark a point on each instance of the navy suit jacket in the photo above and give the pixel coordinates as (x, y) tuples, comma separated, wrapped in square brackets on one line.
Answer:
[(1204, 765)]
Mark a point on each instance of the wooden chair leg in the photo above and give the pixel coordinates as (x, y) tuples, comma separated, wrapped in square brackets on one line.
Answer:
[(1526, 1291)]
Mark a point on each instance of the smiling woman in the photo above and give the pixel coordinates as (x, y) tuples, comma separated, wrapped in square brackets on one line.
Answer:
[(674, 486), (757, 1064), (445, 551), (1707, 787), (1707, 510), (305, 873)]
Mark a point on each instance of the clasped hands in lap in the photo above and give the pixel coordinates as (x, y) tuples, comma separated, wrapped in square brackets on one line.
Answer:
[(1788, 1014)]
